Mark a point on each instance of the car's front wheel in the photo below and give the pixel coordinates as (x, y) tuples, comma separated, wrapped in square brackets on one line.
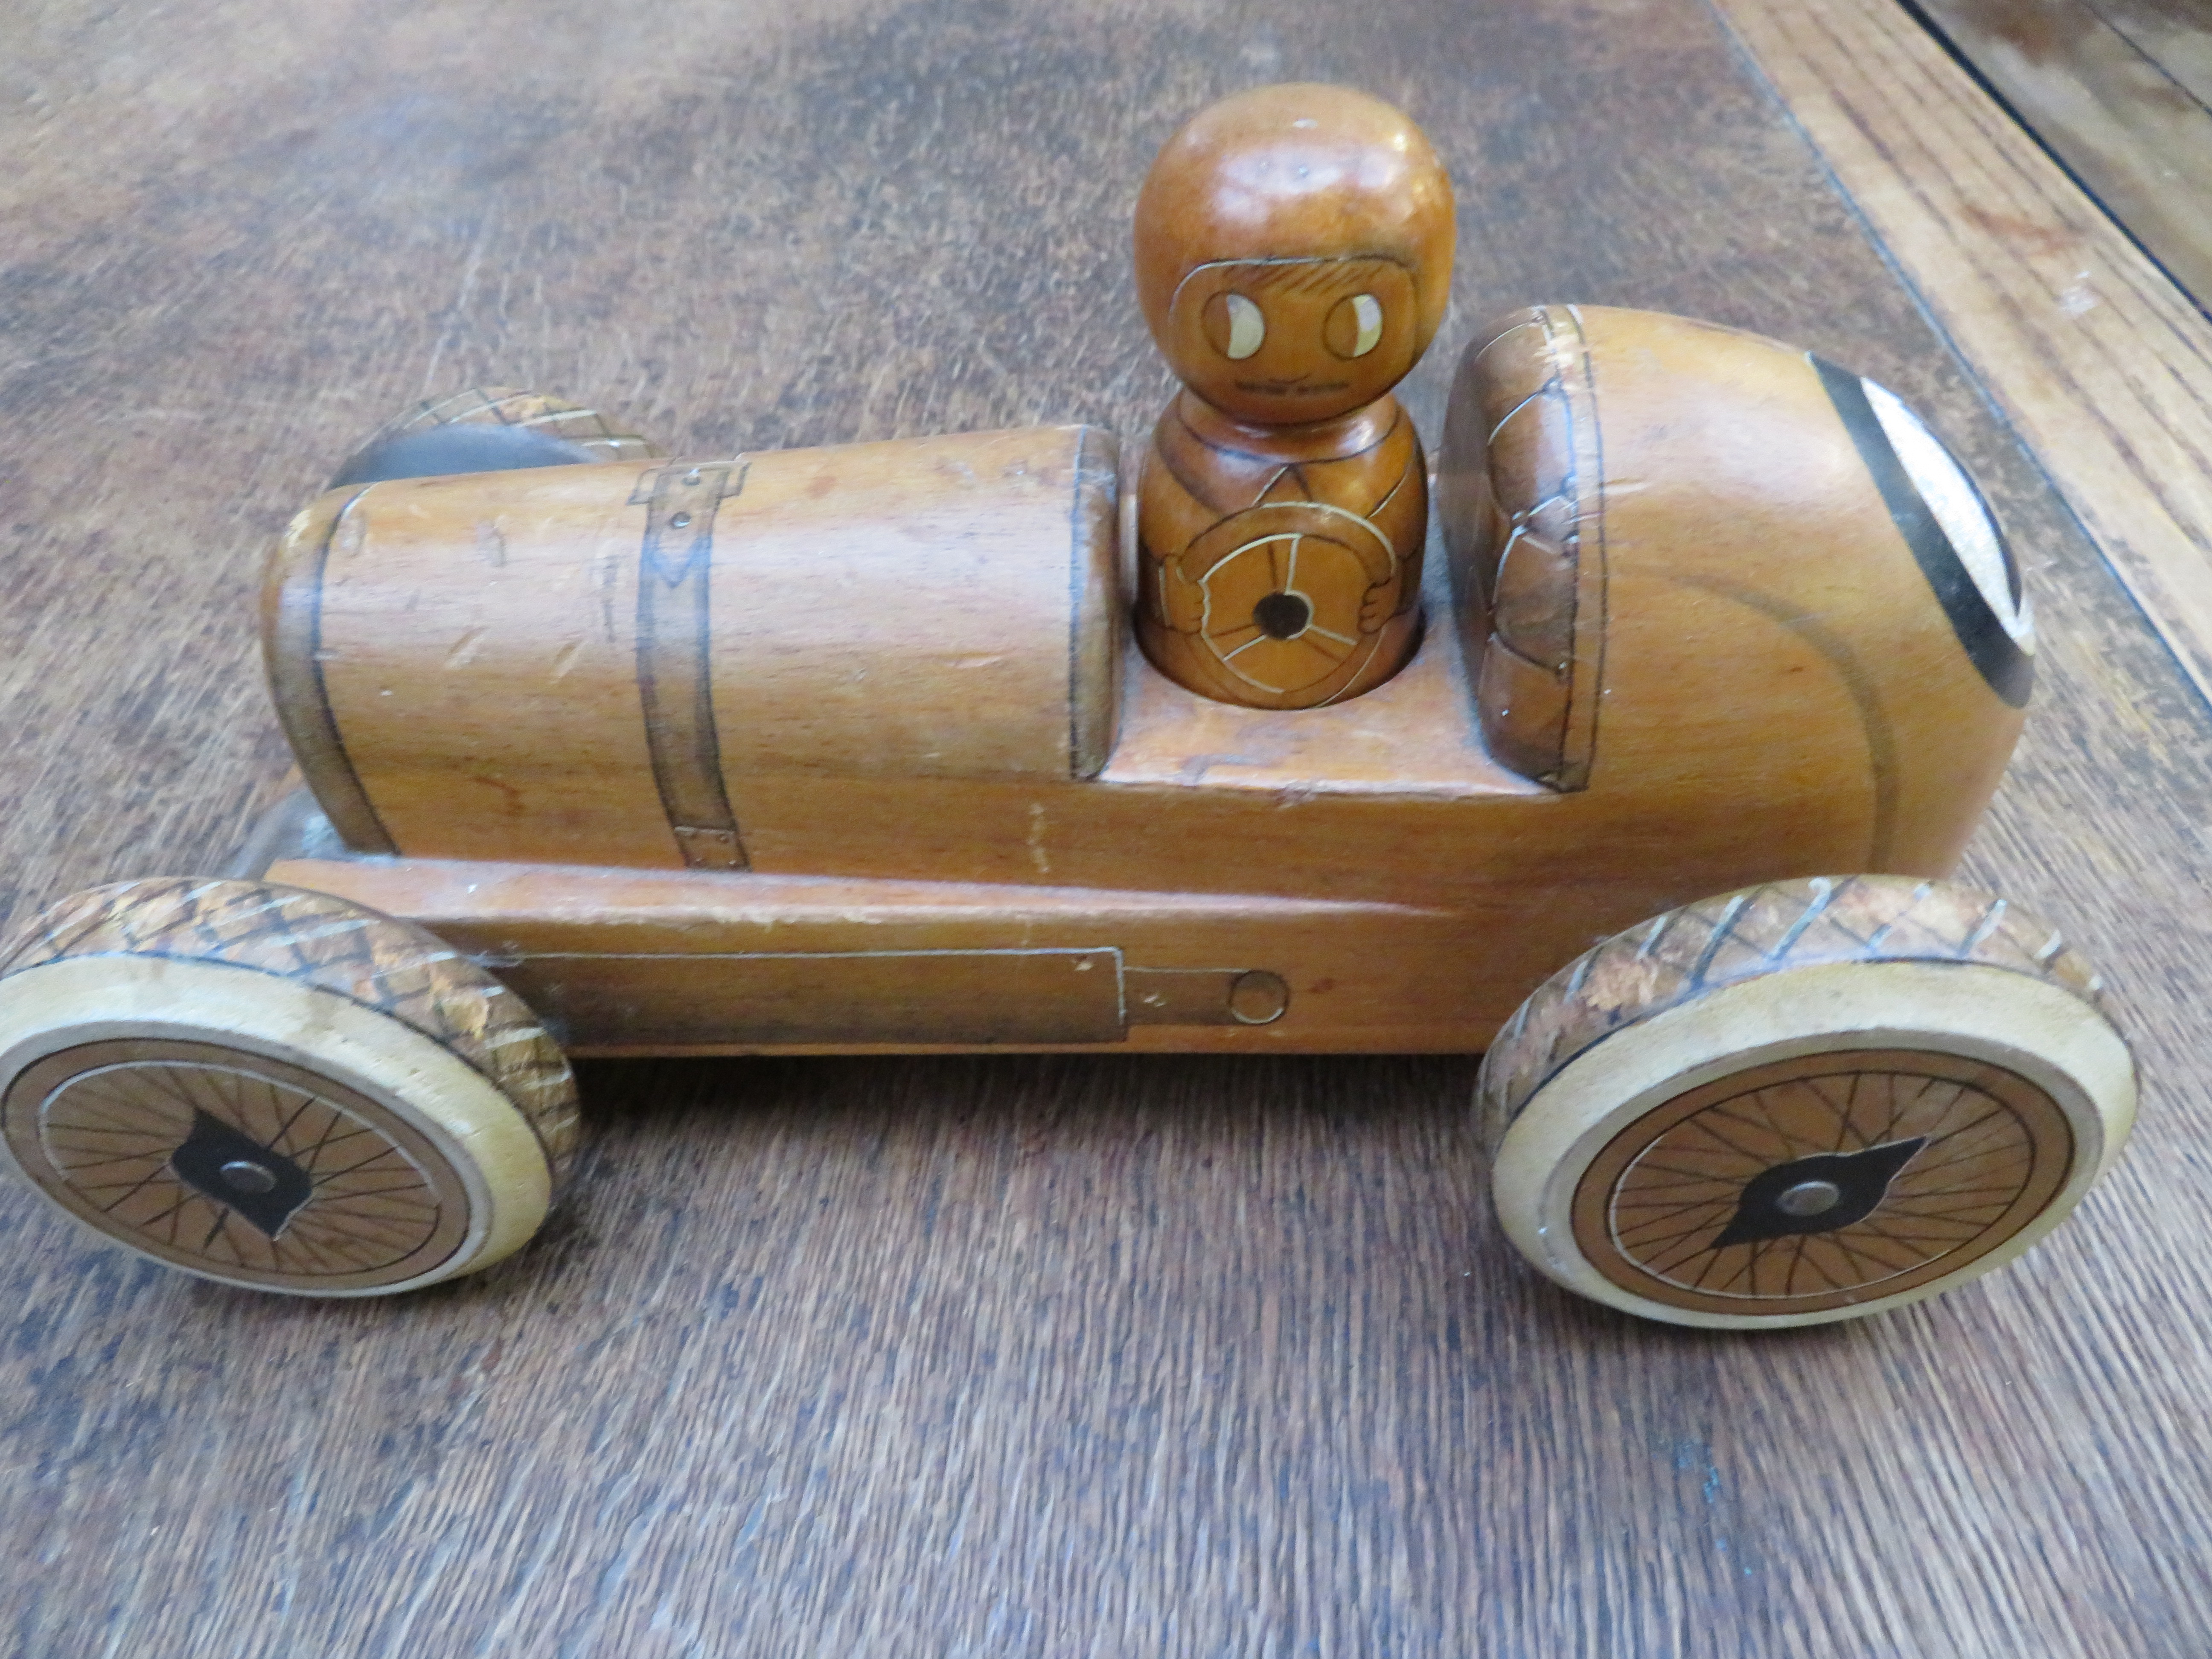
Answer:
[(1805, 1102)]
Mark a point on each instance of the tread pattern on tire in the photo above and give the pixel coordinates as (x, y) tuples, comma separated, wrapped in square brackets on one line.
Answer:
[(1743, 935), (392, 967), (586, 428)]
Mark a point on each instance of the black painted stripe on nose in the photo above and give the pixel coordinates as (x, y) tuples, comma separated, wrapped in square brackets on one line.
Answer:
[(2009, 670)]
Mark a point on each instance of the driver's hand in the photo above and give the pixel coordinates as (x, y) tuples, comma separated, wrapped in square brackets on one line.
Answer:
[(1378, 607)]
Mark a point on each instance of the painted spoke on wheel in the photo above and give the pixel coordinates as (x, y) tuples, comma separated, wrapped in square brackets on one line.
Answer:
[(372, 1210), (1948, 1162)]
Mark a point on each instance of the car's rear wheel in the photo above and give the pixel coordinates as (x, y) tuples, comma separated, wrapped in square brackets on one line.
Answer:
[(277, 1089), (488, 429), (1803, 1103)]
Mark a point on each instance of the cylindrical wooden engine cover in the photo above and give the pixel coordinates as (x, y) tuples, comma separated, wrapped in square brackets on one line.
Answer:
[(599, 663)]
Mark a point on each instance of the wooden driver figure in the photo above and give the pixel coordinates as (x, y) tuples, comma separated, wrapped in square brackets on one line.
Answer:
[(1294, 255)]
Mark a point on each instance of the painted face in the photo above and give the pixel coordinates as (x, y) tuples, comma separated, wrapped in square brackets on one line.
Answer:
[(1282, 342)]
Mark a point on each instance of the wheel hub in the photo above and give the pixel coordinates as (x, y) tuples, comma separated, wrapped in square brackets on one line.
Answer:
[(215, 1159), (1821, 1181), (1816, 1194), (229, 1167)]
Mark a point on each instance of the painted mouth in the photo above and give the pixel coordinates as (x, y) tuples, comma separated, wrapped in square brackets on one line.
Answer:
[(1292, 388)]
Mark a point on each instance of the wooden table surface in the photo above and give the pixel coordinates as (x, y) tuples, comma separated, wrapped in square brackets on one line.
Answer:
[(2121, 90), (1001, 1356)]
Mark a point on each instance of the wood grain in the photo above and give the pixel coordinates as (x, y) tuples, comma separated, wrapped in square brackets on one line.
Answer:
[(1026, 1356), (1293, 259), (1799, 669), (529, 664), (2131, 129), (1685, 525), (2171, 33), (1918, 1045), (275, 1089), (2103, 366)]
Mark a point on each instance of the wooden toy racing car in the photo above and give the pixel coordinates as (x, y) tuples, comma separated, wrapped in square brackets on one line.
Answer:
[(851, 750)]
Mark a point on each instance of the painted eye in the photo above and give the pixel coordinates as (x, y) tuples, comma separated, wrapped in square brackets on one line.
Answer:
[(1958, 506), (1235, 326), (1354, 326), (1948, 526)]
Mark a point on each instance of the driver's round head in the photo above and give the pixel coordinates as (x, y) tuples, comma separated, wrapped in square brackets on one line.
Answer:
[(1294, 251)]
